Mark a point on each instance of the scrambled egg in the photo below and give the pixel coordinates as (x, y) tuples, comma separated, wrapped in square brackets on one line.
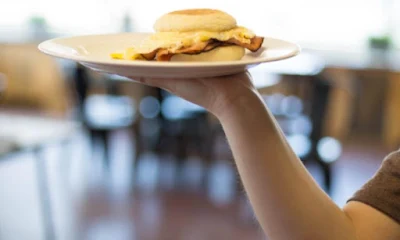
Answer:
[(177, 40)]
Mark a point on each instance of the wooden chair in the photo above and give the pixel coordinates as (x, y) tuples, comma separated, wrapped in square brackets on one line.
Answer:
[(104, 112)]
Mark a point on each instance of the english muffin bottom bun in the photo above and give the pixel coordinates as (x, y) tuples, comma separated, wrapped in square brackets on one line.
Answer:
[(224, 53), (195, 20)]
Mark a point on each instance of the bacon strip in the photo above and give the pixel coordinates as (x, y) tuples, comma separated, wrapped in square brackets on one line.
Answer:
[(166, 55), (194, 48), (253, 46), (150, 55), (211, 46)]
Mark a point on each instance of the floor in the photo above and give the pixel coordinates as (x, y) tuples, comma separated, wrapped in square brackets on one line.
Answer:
[(90, 201)]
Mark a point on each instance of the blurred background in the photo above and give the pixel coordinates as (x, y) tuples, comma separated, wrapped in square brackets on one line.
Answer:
[(91, 156)]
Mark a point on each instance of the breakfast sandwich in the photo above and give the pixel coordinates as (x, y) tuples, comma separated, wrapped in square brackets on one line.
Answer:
[(194, 35)]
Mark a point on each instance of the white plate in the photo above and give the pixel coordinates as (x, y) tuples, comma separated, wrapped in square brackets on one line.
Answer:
[(94, 51)]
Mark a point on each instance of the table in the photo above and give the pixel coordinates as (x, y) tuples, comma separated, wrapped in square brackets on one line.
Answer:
[(24, 133)]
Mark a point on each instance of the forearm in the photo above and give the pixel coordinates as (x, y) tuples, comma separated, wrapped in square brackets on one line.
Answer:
[(287, 201)]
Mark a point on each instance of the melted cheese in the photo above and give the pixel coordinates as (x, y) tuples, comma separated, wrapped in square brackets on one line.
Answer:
[(177, 40)]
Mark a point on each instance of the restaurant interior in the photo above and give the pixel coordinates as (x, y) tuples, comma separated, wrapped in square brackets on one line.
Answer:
[(89, 155)]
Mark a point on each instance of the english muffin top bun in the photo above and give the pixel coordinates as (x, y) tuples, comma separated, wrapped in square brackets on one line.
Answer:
[(194, 20), (194, 35)]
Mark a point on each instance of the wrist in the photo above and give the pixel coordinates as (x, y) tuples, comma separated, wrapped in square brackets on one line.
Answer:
[(248, 101)]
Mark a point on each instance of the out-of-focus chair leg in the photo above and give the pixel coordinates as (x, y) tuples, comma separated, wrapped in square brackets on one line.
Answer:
[(44, 193)]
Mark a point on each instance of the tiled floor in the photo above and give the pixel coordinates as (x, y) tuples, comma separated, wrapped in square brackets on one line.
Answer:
[(94, 203)]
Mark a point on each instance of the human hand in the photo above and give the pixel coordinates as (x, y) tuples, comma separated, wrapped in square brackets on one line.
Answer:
[(216, 94)]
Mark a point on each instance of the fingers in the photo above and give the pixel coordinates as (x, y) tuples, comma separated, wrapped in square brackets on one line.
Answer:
[(146, 81), (241, 75), (166, 84), (170, 84)]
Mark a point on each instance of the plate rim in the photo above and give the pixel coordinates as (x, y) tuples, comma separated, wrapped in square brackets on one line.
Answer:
[(144, 64)]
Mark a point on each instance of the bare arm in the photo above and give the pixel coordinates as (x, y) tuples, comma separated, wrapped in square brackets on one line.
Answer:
[(286, 200)]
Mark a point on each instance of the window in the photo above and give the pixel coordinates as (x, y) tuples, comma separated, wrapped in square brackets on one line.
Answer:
[(320, 24)]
